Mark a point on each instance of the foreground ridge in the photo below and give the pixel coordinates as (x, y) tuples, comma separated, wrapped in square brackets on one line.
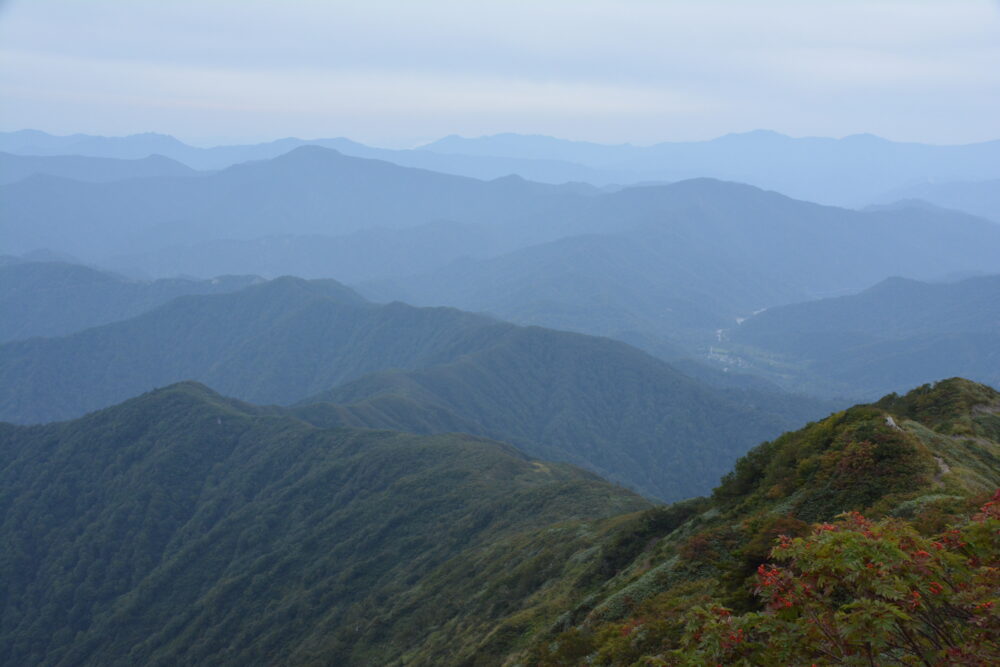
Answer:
[(182, 526)]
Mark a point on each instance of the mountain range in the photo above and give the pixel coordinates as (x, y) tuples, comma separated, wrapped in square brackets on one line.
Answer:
[(182, 527), (666, 264), (591, 401), (896, 334), (59, 298), (852, 171), (980, 198), (693, 257), (847, 172), (15, 168), (310, 190)]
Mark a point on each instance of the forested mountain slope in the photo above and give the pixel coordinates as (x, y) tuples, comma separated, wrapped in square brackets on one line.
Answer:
[(676, 585), (56, 298), (278, 341), (567, 397), (184, 528), (593, 401), (893, 335)]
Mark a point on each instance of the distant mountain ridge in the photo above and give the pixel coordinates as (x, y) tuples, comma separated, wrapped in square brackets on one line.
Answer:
[(597, 402), (980, 198), (309, 190), (846, 172), (683, 260), (851, 171), (895, 334), (663, 266), (33, 142), (57, 298), (14, 168)]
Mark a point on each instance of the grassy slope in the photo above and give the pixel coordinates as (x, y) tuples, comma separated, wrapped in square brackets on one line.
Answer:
[(580, 585)]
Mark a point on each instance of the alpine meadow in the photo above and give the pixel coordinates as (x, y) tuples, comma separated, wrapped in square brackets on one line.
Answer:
[(636, 333)]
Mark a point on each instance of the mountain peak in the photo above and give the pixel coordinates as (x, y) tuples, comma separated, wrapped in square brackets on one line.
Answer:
[(326, 287), (955, 405), (310, 152), (753, 135)]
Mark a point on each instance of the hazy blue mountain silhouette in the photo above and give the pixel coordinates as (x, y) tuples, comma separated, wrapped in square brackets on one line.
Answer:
[(310, 190), (34, 142), (847, 172), (898, 333), (852, 171), (980, 198), (83, 168), (597, 402), (683, 260), (56, 298), (363, 255)]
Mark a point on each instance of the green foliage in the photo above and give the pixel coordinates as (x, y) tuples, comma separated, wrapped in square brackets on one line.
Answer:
[(955, 407), (56, 299), (181, 527), (899, 333), (556, 395), (707, 604), (864, 593)]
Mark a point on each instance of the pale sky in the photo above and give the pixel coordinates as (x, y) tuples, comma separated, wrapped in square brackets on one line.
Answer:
[(398, 73)]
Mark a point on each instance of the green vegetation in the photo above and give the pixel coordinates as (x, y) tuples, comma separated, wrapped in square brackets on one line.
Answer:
[(895, 335), (568, 397), (181, 527), (863, 593), (711, 590), (556, 395), (56, 299), (184, 528)]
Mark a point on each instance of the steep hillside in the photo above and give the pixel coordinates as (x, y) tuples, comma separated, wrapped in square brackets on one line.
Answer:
[(182, 527), (276, 342), (56, 298), (565, 397), (893, 335), (660, 585), (592, 401), (185, 528)]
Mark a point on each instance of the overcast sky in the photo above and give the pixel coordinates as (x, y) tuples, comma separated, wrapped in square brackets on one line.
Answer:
[(399, 73)]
